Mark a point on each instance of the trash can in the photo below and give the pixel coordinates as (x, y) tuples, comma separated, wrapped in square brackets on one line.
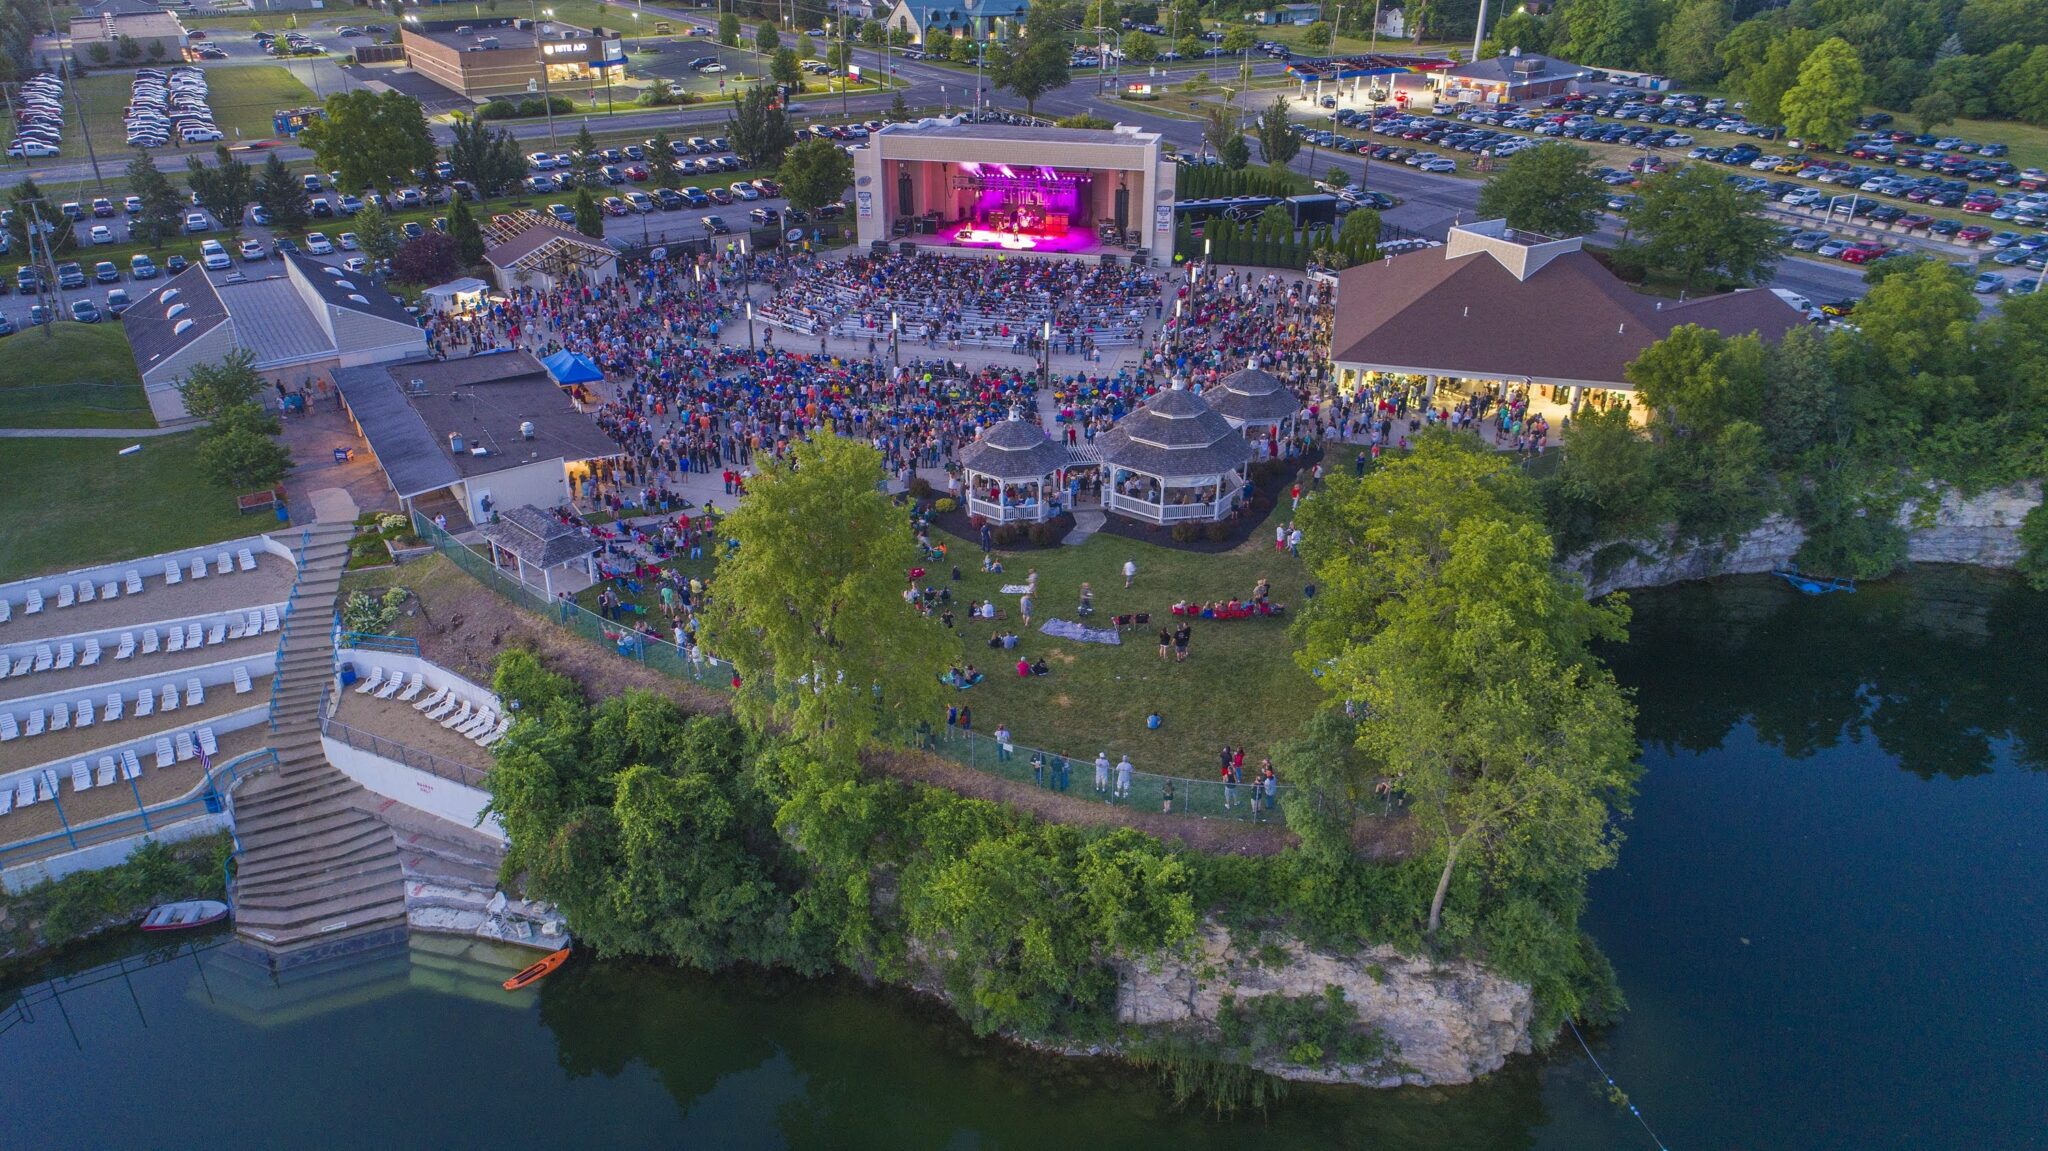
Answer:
[(348, 675)]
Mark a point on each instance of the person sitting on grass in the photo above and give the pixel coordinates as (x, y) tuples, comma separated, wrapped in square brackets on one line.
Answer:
[(1023, 667), (1040, 668), (1153, 720), (992, 565)]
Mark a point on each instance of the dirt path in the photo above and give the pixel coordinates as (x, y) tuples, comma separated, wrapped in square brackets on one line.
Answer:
[(464, 628)]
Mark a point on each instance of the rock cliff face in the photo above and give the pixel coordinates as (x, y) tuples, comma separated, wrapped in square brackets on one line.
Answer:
[(1982, 530), (1445, 1023)]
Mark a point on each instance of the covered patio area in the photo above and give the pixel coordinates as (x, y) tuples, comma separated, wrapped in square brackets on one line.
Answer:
[(542, 551)]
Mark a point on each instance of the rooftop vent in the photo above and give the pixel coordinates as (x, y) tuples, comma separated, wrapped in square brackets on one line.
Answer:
[(174, 311), (358, 298), (181, 327), (169, 294)]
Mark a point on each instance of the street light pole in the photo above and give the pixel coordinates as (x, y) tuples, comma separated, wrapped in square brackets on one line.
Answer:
[(750, 325), (547, 95)]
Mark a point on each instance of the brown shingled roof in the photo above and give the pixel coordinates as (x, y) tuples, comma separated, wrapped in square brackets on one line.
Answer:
[(1572, 322)]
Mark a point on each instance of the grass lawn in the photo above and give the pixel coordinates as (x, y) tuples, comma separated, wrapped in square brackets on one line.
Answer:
[(92, 504), (1239, 686), (243, 99), (77, 376)]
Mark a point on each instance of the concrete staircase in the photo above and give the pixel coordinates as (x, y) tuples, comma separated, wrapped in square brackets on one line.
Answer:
[(317, 864)]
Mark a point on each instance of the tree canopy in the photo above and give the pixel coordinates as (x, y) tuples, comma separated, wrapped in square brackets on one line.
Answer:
[(759, 127), (815, 173), (1277, 142), (374, 139), (1549, 189), (1030, 71), (1823, 105), (1693, 222)]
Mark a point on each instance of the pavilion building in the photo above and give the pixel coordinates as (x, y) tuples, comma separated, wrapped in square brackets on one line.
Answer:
[(1011, 470), (1174, 459)]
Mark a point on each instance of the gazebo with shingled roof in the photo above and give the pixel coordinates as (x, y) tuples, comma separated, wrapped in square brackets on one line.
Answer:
[(1010, 470), (1173, 460), (1258, 404)]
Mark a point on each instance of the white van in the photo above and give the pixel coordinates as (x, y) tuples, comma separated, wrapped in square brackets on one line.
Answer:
[(214, 255)]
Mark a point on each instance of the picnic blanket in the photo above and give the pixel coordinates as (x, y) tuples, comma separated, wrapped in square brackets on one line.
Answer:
[(1066, 630), (1016, 589)]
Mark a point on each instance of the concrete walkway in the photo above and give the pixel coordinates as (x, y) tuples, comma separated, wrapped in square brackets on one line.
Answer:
[(95, 433)]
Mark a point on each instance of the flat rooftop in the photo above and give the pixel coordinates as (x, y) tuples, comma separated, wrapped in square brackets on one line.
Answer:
[(1021, 133)]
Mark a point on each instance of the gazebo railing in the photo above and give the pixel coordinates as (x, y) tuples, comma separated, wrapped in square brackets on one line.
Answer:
[(1166, 513), (1005, 513)]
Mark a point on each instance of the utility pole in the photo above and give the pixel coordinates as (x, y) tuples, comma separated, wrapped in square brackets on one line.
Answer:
[(77, 107), (46, 286), (1479, 30), (547, 95)]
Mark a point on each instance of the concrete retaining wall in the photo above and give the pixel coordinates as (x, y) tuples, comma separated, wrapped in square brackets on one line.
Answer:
[(416, 789), (21, 877)]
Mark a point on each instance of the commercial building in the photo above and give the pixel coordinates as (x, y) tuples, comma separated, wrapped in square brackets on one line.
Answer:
[(1509, 78), (493, 432), (1495, 309), (498, 57), (973, 19), (302, 321), (1287, 14), (156, 33), (1017, 190)]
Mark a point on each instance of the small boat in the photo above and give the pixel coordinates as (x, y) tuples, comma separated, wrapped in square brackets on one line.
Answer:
[(182, 916), (1814, 585), (538, 971)]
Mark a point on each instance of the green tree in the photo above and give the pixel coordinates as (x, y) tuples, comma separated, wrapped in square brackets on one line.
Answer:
[(811, 610), (1277, 142), (759, 128), (1696, 379), (376, 234), (661, 162), (1765, 85), (786, 68), (1691, 40), (127, 50), (100, 53), (238, 453), (163, 209), (729, 29), (225, 189), (467, 233), (1317, 35), (1521, 29), (1189, 48), (872, 34), (805, 49), (1605, 486), (839, 55), (586, 155), (767, 39), (1935, 110), (1038, 67), (1984, 25), (209, 390), (282, 195), (2024, 94), (1140, 48), (815, 173), (1693, 222), (1238, 38), (1822, 107), (589, 218), (1802, 406), (1549, 189), (1609, 33), (371, 138), (961, 50)]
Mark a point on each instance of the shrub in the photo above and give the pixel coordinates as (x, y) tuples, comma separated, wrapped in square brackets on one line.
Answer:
[(1216, 533), (498, 110), (1007, 534), (1185, 533), (945, 504), (1043, 534), (976, 520), (920, 488)]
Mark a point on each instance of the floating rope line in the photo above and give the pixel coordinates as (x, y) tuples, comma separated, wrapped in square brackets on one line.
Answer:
[(1616, 1086)]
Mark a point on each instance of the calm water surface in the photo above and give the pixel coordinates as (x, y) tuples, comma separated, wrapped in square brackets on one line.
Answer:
[(1826, 918)]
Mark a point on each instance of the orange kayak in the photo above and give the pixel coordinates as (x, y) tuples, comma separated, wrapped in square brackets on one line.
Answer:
[(538, 971)]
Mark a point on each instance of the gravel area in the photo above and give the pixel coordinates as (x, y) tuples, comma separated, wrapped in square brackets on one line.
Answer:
[(270, 583), (108, 670), (73, 742), (398, 722), (155, 786)]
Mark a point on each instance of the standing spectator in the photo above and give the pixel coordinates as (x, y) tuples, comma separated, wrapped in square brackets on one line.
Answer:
[(1230, 780), (1101, 772), (1123, 776), (1003, 748), (1130, 572)]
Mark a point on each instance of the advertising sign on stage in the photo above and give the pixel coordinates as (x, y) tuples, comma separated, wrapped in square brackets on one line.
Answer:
[(1162, 218), (867, 204)]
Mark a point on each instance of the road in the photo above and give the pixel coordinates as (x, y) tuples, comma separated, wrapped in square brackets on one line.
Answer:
[(1429, 205)]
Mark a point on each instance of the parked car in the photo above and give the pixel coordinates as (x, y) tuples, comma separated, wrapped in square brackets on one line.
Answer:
[(141, 267), (85, 311)]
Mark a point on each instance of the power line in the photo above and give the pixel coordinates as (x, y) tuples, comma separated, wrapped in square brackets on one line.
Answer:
[(1626, 1101)]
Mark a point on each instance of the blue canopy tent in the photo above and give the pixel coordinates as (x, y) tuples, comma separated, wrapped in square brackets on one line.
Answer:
[(571, 368)]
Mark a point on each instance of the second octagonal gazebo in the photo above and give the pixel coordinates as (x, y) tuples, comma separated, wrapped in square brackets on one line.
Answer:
[(1172, 460), (1011, 470), (1259, 405)]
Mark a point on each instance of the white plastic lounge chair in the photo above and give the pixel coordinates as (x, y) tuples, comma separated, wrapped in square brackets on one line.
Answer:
[(127, 648), (174, 638), (67, 654), (431, 701), (8, 728), (447, 705), (81, 776), (134, 582), (66, 595), (23, 665), (412, 689), (390, 687), (47, 784), (6, 610), (481, 721), (223, 564), (497, 733), (242, 684), (44, 657), (25, 791), (168, 698), (184, 745), (35, 723), (247, 560), (34, 603), (107, 769), (145, 703), (151, 641), (110, 590), (216, 634), (165, 756), (6, 800), (92, 653), (270, 618), (198, 567), (171, 573), (86, 591), (60, 716), (371, 684), (193, 636), (254, 623), (207, 743), (131, 764), (194, 694), (84, 718), (113, 708), (461, 715)]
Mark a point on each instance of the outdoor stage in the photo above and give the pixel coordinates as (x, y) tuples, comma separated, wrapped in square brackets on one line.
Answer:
[(1003, 190)]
